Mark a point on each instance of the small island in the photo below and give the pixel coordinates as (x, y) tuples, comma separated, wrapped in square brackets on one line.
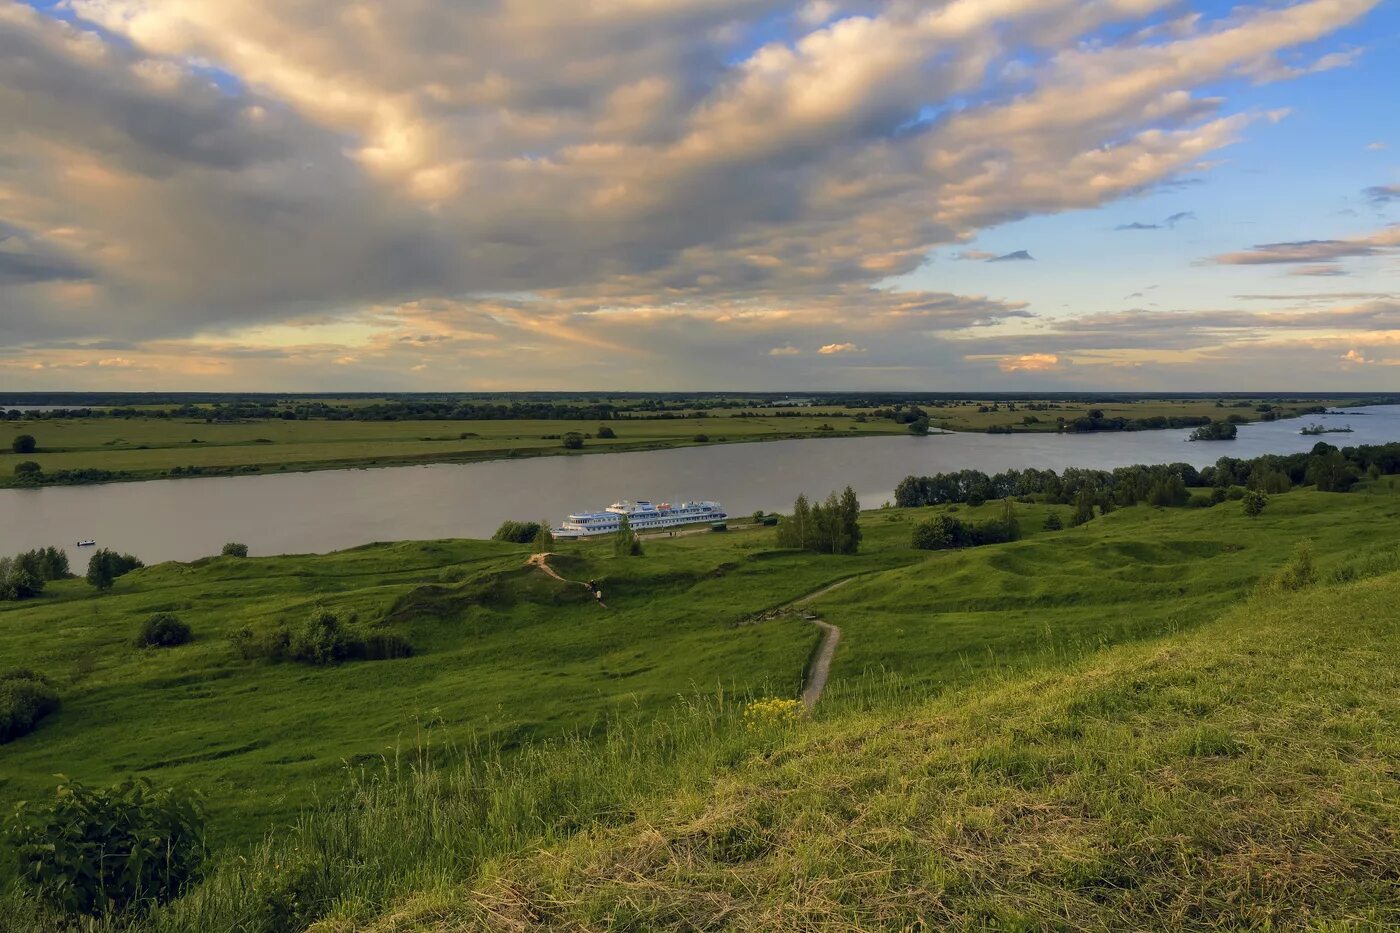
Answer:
[(1313, 430), (1215, 431)]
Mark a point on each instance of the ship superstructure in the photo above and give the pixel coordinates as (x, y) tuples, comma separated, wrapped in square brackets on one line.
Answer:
[(642, 515)]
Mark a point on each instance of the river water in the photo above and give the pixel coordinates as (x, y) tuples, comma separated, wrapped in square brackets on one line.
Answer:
[(315, 512)]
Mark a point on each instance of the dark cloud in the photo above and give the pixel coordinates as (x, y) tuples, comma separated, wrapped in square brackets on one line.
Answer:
[(1382, 194), (1166, 224), (1020, 255)]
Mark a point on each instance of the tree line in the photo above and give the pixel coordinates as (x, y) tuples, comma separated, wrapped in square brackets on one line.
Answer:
[(830, 527)]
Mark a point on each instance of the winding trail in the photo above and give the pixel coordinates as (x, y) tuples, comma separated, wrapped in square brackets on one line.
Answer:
[(818, 671), (820, 668)]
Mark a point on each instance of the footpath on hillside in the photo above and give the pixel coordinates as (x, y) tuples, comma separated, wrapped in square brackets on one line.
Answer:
[(542, 562)]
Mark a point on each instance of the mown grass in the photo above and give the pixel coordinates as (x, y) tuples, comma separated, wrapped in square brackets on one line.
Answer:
[(531, 719)]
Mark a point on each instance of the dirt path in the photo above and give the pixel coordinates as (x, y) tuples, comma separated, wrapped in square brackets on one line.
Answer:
[(820, 668), (542, 562)]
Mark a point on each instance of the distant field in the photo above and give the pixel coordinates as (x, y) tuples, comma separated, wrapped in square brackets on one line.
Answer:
[(150, 447), (966, 416)]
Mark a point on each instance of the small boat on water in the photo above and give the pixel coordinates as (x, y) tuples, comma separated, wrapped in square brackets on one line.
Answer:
[(641, 516), (87, 543)]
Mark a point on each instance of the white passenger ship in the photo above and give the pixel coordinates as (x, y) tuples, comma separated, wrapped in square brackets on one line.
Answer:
[(641, 515)]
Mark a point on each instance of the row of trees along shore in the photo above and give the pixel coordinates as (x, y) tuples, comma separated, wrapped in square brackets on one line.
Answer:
[(1328, 468)]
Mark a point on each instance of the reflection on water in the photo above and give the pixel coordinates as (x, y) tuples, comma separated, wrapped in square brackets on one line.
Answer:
[(306, 512)]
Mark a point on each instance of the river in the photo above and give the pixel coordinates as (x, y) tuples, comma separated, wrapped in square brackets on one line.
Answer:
[(324, 511)]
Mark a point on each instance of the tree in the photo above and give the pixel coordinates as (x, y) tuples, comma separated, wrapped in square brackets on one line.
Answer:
[(517, 532), (24, 444), (233, 549), (18, 581), (1254, 502), (606, 432), (794, 534), (1083, 509), (850, 533), (1009, 521), (625, 544), (1330, 472), (105, 566), (163, 630), (28, 469), (573, 441), (1053, 522), (940, 533), (544, 538), (919, 426)]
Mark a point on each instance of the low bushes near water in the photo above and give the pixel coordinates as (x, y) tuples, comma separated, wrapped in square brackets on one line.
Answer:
[(234, 549), (105, 566), (24, 576), (25, 698), (163, 630), (91, 852), (517, 532), (943, 532)]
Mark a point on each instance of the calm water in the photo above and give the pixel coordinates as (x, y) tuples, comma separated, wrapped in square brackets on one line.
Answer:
[(308, 512)]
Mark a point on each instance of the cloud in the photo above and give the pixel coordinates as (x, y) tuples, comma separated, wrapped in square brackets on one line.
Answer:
[(1314, 251), (1376, 147), (1167, 223), (974, 255), (1322, 270), (832, 349), (1029, 363), (190, 173), (1019, 256), (787, 350), (1382, 194)]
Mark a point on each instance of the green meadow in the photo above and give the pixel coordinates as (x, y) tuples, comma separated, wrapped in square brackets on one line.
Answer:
[(1118, 725)]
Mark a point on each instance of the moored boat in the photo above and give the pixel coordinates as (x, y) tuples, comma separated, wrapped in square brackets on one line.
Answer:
[(642, 515)]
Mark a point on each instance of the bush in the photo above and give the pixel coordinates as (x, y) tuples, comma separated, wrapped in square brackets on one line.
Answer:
[(323, 640), (1254, 502), (105, 566), (1300, 571), (18, 581), (98, 852), (28, 469), (24, 444), (606, 432), (1053, 522), (701, 438), (233, 549), (517, 532), (386, 646), (163, 630), (25, 698), (1215, 431), (573, 441)]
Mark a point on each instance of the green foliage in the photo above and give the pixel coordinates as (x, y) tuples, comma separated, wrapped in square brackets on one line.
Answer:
[(163, 630), (1053, 522), (385, 645), (518, 532), (18, 581), (605, 433), (233, 549), (1083, 509), (27, 470), (1330, 472), (1215, 431), (101, 852), (625, 542), (943, 532), (919, 426), (24, 444), (106, 566), (830, 527), (1254, 502), (324, 640), (25, 698), (1300, 571), (701, 438), (1169, 491), (544, 538), (572, 441)]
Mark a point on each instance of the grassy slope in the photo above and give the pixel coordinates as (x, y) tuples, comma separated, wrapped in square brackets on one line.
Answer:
[(1239, 776), (148, 447)]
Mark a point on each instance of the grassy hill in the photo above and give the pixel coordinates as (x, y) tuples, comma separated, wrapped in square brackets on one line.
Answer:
[(1111, 726)]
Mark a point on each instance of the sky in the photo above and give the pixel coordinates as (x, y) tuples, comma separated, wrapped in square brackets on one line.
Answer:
[(957, 195)]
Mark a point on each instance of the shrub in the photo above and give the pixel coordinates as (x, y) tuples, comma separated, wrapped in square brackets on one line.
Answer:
[(1300, 571), (606, 432), (774, 711), (25, 698), (163, 630), (1053, 522), (233, 549), (701, 438), (24, 444), (105, 566), (28, 469), (386, 646), (517, 532), (919, 426), (1254, 502), (1215, 431), (17, 581), (323, 640), (573, 441), (98, 852)]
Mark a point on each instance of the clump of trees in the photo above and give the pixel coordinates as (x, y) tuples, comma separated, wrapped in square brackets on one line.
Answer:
[(518, 532), (1215, 431), (919, 426), (234, 549), (322, 640), (24, 576), (25, 698), (24, 444), (101, 852), (605, 432), (830, 527), (544, 538), (625, 542), (105, 566), (163, 630), (572, 441), (944, 532)]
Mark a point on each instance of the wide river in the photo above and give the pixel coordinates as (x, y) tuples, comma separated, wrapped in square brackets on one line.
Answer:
[(314, 512)]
